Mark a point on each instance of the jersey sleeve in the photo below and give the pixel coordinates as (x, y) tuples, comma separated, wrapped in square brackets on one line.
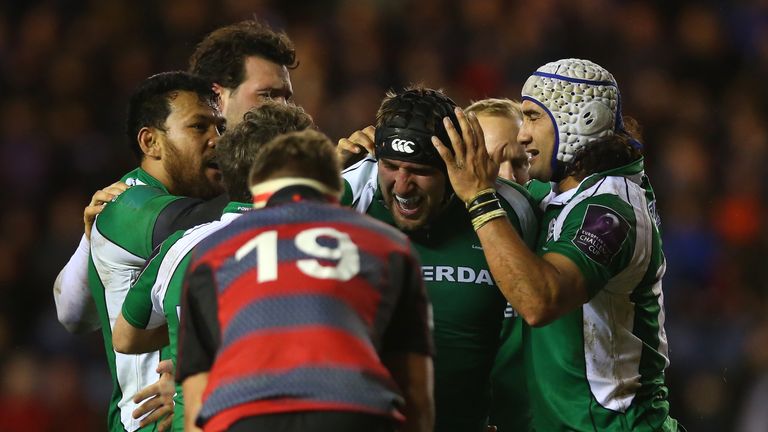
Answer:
[(360, 183), (410, 328), (538, 190), (520, 208), (598, 236), (130, 220), (75, 307), (186, 213), (140, 307), (199, 334), (143, 216)]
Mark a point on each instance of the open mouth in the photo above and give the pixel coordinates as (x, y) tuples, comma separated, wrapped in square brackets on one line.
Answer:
[(408, 206), (532, 153), (212, 165)]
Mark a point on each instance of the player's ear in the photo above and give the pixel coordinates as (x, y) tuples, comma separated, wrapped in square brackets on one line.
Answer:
[(223, 94), (149, 141), (218, 89)]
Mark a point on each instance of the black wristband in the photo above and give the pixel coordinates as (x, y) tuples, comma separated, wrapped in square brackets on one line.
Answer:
[(482, 197), (485, 207)]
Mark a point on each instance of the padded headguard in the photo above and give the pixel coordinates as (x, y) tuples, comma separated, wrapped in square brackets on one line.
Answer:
[(406, 123), (582, 100)]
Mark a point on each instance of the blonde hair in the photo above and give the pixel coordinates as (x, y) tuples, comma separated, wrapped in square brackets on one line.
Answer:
[(496, 107)]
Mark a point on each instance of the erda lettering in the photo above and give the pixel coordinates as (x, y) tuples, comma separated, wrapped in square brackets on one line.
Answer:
[(441, 273)]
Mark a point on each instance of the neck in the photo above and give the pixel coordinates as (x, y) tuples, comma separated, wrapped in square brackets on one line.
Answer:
[(263, 192), (567, 184), (154, 167)]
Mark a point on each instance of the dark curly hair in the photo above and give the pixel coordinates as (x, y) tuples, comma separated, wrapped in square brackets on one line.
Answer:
[(238, 147), (150, 103), (220, 57), (308, 154), (415, 113), (604, 154)]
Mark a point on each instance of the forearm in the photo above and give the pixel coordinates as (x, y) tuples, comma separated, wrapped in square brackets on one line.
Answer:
[(414, 374), (193, 387), (128, 339), (530, 284), (419, 412), (75, 307)]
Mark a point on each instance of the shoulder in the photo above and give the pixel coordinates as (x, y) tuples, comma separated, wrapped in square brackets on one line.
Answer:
[(138, 198), (516, 199), (615, 192), (134, 213), (360, 183), (361, 171), (175, 249), (538, 190), (512, 191), (611, 200)]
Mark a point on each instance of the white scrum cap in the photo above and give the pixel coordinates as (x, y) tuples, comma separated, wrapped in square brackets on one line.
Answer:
[(582, 99)]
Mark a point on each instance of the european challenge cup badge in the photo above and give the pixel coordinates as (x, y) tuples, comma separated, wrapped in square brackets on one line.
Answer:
[(602, 233)]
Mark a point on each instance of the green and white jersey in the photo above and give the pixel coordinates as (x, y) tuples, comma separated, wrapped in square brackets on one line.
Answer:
[(155, 297), (538, 190), (601, 366), (121, 241), (467, 305)]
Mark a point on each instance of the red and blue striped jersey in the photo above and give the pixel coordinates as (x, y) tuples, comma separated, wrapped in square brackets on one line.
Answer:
[(308, 296)]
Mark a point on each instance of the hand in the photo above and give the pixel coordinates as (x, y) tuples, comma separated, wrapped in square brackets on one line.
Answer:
[(158, 399), (471, 169), (491, 428), (98, 200), (352, 149)]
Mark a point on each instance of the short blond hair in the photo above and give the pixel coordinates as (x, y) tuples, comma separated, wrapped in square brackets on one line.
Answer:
[(496, 107)]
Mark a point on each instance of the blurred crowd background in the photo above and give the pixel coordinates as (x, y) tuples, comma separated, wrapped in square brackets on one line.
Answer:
[(692, 72)]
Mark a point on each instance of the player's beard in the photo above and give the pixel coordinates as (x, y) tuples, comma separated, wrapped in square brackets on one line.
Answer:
[(189, 178)]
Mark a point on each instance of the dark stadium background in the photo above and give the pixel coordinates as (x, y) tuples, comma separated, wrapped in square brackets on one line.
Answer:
[(693, 73)]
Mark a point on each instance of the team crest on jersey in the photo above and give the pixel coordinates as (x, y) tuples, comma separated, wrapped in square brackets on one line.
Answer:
[(602, 233)]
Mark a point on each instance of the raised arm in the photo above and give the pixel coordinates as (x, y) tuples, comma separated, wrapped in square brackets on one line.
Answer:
[(541, 289), (354, 148)]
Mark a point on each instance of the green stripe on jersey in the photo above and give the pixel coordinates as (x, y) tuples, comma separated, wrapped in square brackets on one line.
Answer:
[(155, 297), (601, 366), (120, 245)]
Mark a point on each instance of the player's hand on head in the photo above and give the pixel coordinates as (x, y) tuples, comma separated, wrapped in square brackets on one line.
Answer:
[(470, 169), (98, 200), (356, 146)]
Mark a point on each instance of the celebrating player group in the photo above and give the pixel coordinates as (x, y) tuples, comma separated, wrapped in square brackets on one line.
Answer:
[(496, 267)]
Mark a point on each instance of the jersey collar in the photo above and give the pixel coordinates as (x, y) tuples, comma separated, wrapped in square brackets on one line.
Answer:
[(632, 171), (237, 207), (139, 177)]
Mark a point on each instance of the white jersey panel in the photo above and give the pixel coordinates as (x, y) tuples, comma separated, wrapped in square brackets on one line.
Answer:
[(363, 179), (118, 269), (176, 255), (612, 351)]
